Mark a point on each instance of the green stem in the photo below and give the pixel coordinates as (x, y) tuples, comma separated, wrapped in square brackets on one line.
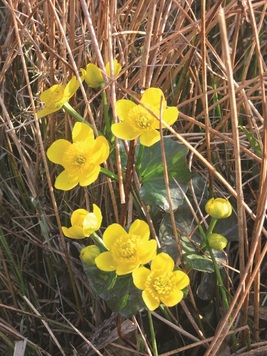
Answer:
[(153, 336), (99, 241), (109, 174), (73, 113), (105, 110), (211, 226)]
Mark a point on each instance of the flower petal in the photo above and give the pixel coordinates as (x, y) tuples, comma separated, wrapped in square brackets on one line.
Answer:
[(64, 181), (100, 150), (98, 215), (89, 177), (125, 268), (116, 68), (92, 76), (124, 131), (82, 132), (56, 151), (71, 87), (151, 301), (78, 216), (170, 115), (111, 234), (162, 263), (73, 232), (48, 110), (172, 298), (154, 97), (141, 228), (122, 108), (181, 279), (148, 252), (140, 276), (148, 138), (105, 262), (53, 94)]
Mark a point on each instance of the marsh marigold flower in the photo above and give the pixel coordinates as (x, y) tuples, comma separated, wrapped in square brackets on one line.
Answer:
[(160, 283), (93, 75), (56, 96), (137, 121), (88, 254), (126, 250), (81, 159), (83, 223), (218, 208)]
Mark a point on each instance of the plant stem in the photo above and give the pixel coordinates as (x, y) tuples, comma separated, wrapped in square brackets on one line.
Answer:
[(152, 332)]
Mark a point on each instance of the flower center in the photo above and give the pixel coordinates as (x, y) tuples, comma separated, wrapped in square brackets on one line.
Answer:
[(76, 159), (159, 284), (125, 248), (140, 118)]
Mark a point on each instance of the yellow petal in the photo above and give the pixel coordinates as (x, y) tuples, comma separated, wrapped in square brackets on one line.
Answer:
[(47, 111), (170, 115), (140, 228), (148, 252), (98, 215), (116, 68), (151, 301), (90, 177), (162, 263), (140, 276), (100, 150), (105, 262), (71, 88), (122, 108), (65, 181), (180, 279), (82, 132), (93, 76), (66, 232), (126, 268), (78, 216), (154, 97), (112, 233), (172, 298), (56, 151), (148, 138), (53, 94), (77, 232), (124, 131)]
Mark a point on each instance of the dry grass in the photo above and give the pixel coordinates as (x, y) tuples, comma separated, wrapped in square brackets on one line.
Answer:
[(210, 61)]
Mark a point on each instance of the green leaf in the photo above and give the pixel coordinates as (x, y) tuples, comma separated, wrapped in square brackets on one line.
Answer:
[(118, 292), (253, 141), (151, 174), (189, 236)]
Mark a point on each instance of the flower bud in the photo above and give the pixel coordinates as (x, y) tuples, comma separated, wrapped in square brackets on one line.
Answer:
[(88, 254), (217, 241), (218, 208)]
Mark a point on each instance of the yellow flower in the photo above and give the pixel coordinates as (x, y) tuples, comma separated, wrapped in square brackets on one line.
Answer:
[(160, 283), (81, 159), (93, 76), (83, 223), (56, 96), (218, 208), (126, 250), (137, 121), (88, 254)]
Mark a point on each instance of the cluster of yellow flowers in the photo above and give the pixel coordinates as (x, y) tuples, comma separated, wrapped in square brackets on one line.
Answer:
[(123, 252)]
